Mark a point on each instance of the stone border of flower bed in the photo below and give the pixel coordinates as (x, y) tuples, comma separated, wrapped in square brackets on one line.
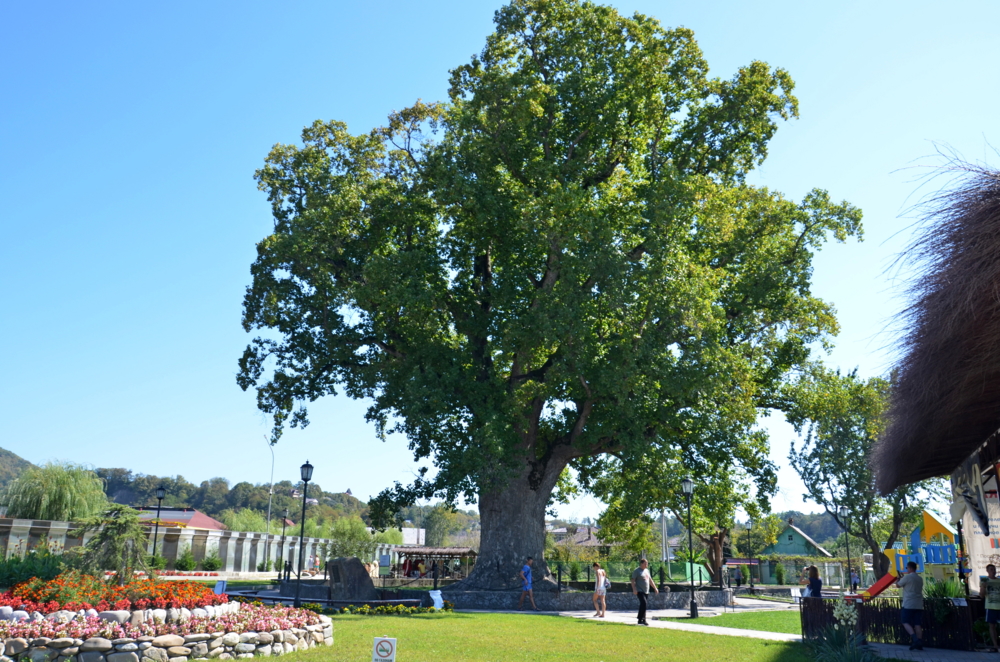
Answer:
[(125, 617), (76, 637), (170, 647)]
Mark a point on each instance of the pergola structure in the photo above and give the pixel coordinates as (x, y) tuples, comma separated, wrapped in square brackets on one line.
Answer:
[(442, 555)]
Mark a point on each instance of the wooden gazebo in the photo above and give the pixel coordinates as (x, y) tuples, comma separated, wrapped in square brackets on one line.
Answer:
[(444, 556)]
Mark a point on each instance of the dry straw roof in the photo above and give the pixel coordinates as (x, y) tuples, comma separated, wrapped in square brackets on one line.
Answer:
[(947, 399)]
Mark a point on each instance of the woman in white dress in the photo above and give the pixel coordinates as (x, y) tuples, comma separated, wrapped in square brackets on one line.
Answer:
[(600, 590)]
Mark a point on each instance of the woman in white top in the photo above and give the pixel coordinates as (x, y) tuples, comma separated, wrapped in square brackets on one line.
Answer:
[(600, 590)]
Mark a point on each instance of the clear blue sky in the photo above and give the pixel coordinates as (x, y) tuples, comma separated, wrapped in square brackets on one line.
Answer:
[(129, 134)]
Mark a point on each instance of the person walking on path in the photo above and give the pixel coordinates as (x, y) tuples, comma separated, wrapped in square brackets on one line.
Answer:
[(739, 577), (600, 590), (815, 583), (641, 581), (989, 589), (855, 581), (913, 605), (526, 585)]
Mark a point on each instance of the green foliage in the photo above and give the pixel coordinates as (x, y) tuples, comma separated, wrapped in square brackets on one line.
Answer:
[(44, 561), (59, 491), (441, 522), (393, 610), (244, 519), (263, 566), (779, 574), (837, 644), (156, 562), (943, 589), (574, 571), (563, 262), (118, 544), (185, 560), (350, 537), (212, 562), (841, 417)]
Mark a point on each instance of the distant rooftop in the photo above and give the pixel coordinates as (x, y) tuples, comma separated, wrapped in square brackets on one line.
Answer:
[(183, 518)]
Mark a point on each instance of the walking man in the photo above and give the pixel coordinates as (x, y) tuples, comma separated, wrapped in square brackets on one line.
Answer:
[(641, 581), (855, 580), (526, 585), (989, 589), (913, 605)]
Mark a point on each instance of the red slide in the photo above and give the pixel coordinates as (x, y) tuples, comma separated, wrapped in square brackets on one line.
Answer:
[(879, 586)]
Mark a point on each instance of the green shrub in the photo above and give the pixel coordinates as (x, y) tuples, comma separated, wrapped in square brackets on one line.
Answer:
[(211, 561), (42, 562), (265, 566), (779, 574), (839, 645), (185, 561), (944, 589), (156, 562), (574, 571)]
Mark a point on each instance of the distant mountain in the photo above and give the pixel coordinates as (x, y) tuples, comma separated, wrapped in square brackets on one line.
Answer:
[(11, 466)]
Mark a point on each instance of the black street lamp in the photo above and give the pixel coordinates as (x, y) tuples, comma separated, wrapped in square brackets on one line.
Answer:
[(750, 549), (847, 540), (687, 486), (160, 493), (307, 474)]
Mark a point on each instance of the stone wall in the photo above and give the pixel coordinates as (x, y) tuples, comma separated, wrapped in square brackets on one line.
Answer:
[(169, 647)]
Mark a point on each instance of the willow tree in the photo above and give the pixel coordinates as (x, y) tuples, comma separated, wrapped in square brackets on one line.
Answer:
[(59, 491), (561, 262)]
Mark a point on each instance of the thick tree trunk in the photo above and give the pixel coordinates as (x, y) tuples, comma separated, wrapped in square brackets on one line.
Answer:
[(513, 528)]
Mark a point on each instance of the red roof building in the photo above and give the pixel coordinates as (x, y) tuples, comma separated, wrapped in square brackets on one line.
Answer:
[(181, 518)]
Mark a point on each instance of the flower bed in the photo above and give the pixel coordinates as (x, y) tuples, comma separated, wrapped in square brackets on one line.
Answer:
[(247, 630), (74, 591)]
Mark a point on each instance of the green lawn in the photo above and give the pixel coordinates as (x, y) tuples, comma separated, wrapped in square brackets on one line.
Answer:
[(768, 621), (535, 638)]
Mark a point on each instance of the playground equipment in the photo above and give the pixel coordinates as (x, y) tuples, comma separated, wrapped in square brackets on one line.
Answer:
[(931, 547)]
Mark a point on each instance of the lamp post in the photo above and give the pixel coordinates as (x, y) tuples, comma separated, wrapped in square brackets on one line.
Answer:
[(270, 495), (160, 493), (750, 546), (306, 472), (687, 486), (847, 540)]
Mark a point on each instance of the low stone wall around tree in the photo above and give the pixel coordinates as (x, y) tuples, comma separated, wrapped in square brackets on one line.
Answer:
[(169, 647)]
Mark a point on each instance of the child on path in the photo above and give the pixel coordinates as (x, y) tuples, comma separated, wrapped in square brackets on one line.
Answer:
[(526, 585)]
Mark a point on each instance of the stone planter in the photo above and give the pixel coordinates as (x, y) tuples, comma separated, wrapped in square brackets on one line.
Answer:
[(170, 647)]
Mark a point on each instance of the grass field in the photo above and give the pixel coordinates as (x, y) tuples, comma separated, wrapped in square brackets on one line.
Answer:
[(536, 638), (767, 621)]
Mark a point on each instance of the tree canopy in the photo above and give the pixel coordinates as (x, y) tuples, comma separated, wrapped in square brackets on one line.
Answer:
[(59, 491), (562, 262), (840, 417)]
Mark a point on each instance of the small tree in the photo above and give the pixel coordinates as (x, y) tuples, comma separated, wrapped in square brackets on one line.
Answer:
[(55, 491), (119, 544), (779, 574), (841, 417)]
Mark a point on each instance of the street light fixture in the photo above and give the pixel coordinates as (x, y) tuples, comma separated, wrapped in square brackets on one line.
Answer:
[(750, 549), (160, 493), (306, 473), (687, 487), (847, 540)]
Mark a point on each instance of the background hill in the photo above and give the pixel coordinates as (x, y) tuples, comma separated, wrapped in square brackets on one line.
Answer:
[(11, 466)]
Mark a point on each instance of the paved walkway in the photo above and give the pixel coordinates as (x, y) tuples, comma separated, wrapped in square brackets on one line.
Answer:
[(893, 652)]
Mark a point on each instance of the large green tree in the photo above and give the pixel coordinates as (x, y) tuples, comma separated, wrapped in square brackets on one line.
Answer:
[(562, 263), (840, 417)]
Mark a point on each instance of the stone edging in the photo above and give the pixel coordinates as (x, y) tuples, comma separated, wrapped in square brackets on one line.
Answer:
[(169, 647)]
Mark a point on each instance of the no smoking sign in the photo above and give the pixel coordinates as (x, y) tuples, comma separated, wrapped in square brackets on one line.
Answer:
[(384, 650)]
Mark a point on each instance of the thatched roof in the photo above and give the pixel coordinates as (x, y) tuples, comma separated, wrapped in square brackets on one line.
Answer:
[(946, 403)]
